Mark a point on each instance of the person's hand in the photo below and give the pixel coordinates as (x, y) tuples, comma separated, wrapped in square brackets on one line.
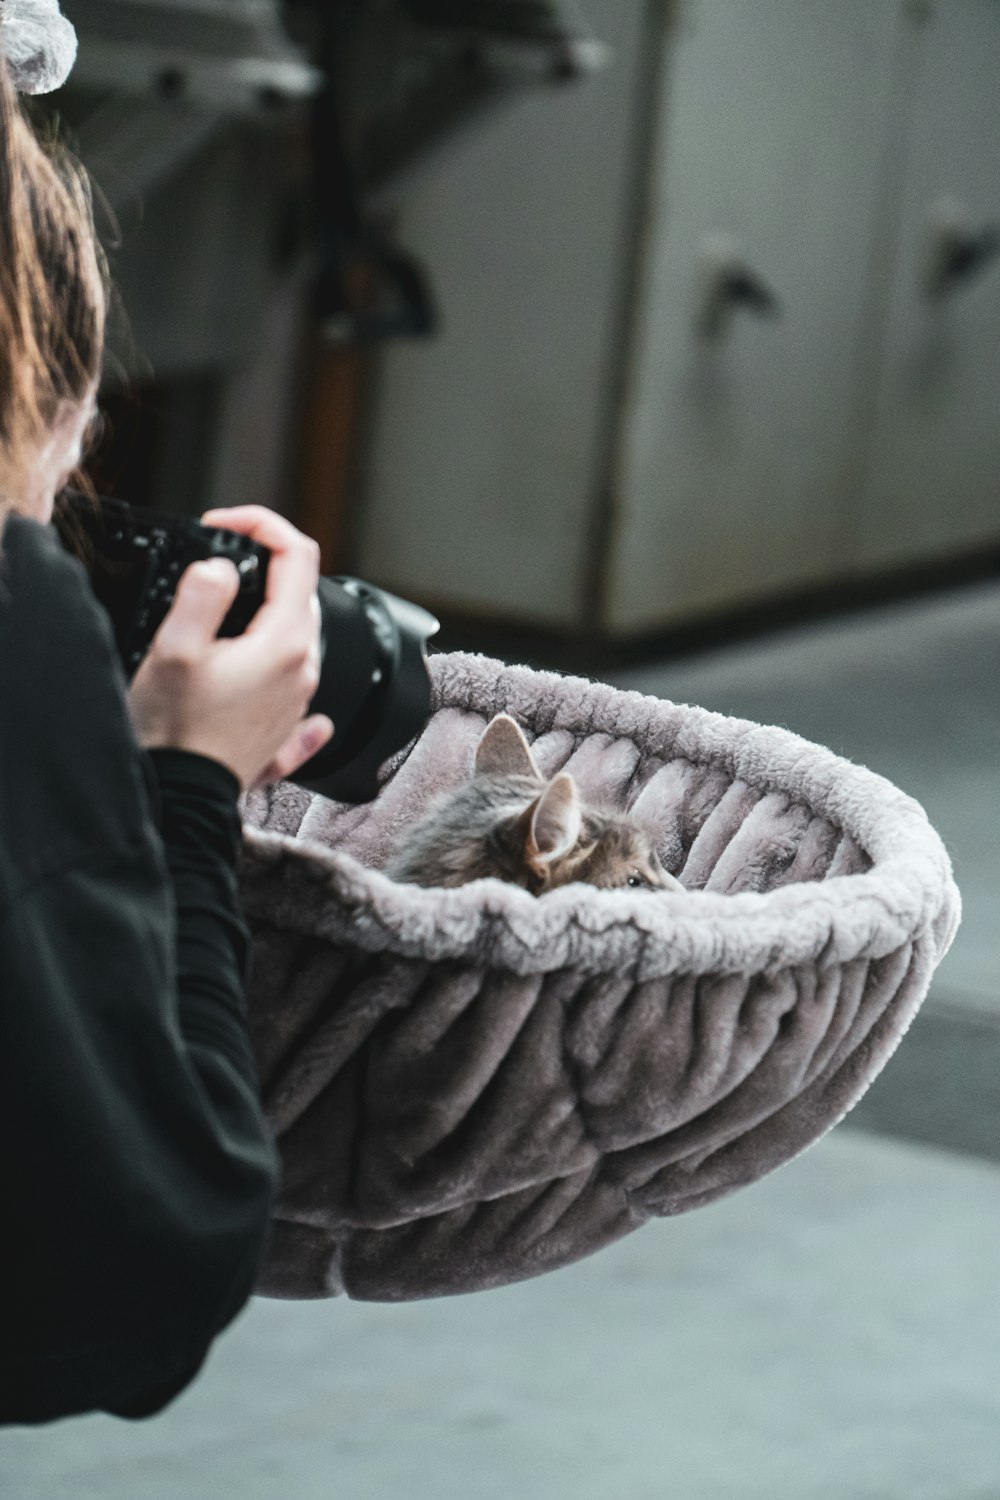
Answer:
[(240, 701)]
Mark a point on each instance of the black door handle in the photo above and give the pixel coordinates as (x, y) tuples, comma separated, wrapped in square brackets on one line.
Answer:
[(729, 282), (959, 251)]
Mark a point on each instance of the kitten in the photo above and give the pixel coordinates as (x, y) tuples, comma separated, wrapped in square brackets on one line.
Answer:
[(512, 824)]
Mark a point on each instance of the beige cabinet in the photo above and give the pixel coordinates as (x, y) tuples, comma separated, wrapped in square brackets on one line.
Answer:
[(931, 482), (738, 422), (690, 358), (488, 443)]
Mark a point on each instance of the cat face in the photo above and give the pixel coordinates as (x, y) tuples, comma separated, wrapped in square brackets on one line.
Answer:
[(508, 822), (557, 838), (612, 852)]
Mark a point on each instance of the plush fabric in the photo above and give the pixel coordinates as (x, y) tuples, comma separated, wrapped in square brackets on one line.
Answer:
[(474, 1086)]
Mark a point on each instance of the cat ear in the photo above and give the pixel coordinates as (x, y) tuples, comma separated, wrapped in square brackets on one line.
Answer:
[(504, 751), (553, 823)]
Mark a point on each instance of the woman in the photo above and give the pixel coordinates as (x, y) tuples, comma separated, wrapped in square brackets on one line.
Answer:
[(138, 1170)]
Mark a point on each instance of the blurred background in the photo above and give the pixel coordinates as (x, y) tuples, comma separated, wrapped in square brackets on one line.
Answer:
[(659, 341)]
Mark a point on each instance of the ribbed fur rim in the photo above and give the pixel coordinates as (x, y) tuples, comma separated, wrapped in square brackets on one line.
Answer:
[(908, 894)]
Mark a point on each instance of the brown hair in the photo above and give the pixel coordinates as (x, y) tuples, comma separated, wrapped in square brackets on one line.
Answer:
[(52, 291)]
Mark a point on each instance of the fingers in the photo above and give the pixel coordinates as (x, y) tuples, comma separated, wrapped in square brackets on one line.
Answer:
[(292, 572), (307, 740), (257, 522), (202, 600)]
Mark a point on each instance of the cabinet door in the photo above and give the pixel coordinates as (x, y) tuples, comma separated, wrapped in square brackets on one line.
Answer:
[(735, 449), (486, 441), (933, 481)]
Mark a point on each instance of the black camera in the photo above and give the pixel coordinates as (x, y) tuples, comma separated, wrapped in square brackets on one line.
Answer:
[(374, 682)]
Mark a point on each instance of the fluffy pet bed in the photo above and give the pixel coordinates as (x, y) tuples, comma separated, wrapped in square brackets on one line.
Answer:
[(474, 1086)]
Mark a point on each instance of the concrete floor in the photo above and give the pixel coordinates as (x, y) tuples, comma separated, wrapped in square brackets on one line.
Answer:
[(832, 1333)]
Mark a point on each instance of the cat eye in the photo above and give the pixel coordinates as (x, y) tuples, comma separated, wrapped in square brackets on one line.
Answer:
[(637, 883)]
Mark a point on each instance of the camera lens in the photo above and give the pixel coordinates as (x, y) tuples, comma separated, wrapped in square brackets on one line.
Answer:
[(374, 685)]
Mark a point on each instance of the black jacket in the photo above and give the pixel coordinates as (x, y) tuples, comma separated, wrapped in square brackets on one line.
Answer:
[(137, 1170)]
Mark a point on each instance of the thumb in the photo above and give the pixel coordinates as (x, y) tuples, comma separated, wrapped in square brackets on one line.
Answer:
[(202, 601)]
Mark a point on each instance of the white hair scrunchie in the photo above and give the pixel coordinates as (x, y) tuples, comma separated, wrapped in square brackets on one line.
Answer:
[(38, 43)]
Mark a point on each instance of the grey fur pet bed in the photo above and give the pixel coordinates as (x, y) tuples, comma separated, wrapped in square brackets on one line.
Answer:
[(474, 1086)]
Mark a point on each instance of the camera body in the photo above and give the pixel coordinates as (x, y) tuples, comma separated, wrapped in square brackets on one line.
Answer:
[(374, 682)]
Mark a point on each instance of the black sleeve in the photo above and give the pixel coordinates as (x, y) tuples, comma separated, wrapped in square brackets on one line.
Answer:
[(139, 1171), (193, 801), (194, 805)]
